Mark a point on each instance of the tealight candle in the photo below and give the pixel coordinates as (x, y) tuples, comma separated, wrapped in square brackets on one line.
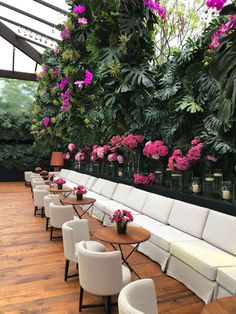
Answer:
[(226, 194), (195, 188)]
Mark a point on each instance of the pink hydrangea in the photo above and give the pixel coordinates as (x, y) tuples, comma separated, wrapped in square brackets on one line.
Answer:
[(155, 149), (100, 152), (71, 147), (80, 156), (112, 157), (66, 156), (116, 141), (144, 180), (131, 141), (78, 9), (182, 163)]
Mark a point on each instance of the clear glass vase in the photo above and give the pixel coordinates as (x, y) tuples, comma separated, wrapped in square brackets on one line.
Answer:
[(121, 227)]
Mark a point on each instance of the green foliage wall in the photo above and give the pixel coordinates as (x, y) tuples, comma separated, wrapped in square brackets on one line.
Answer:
[(190, 95)]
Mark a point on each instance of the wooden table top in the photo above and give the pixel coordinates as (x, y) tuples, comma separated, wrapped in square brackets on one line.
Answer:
[(56, 190), (132, 236), (74, 201), (225, 305)]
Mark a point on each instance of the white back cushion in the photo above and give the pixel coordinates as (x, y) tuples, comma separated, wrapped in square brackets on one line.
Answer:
[(220, 230), (83, 178), (188, 218), (77, 178), (63, 173), (90, 182), (71, 176), (121, 192), (108, 188), (98, 185), (158, 207), (136, 199)]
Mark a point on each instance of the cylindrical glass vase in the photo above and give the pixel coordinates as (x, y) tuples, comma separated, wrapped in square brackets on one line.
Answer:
[(218, 178), (159, 177), (209, 185), (176, 182), (121, 227)]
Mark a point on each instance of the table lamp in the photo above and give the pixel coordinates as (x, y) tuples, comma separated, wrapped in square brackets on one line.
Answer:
[(57, 160)]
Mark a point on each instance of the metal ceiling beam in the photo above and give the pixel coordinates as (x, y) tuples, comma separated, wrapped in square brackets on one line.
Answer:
[(53, 7), (28, 28), (33, 42), (18, 75), (19, 43), (26, 14)]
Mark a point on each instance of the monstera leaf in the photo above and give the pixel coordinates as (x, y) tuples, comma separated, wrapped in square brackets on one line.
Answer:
[(223, 69)]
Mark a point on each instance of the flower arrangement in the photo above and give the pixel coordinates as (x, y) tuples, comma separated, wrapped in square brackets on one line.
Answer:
[(181, 162), (131, 141), (144, 179), (155, 149), (99, 152), (80, 156), (38, 169), (80, 189), (122, 216), (44, 173), (60, 181)]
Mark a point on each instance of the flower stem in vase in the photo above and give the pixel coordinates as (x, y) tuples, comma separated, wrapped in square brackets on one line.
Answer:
[(121, 227)]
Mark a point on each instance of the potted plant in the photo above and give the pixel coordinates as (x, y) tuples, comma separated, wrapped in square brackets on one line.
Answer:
[(60, 183), (79, 191), (122, 217)]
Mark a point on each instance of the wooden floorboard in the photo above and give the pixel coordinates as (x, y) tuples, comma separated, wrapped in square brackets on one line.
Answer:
[(32, 267)]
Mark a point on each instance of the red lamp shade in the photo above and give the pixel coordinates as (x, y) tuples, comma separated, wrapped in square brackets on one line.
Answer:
[(57, 159)]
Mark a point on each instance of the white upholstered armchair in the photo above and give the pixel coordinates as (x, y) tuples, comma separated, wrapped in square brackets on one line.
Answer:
[(138, 297), (73, 232), (101, 274)]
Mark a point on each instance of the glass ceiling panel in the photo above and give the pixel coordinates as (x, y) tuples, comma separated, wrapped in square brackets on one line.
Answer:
[(22, 62)]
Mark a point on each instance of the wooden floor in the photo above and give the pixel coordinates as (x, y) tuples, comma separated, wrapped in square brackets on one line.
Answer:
[(32, 267)]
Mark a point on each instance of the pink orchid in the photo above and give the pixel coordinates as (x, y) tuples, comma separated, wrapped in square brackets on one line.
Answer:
[(78, 9), (82, 20), (65, 33)]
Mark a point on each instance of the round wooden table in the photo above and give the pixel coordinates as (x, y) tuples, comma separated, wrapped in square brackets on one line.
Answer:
[(74, 202), (134, 235), (225, 305)]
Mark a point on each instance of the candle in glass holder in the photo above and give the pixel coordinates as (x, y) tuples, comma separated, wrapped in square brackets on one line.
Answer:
[(195, 188), (226, 195)]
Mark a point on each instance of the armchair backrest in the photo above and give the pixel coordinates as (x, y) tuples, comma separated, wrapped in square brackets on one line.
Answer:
[(138, 297), (51, 198), (100, 272), (74, 231), (59, 214)]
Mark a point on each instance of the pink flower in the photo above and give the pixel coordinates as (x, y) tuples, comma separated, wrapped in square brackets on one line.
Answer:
[(122, 215), (66, 156), (130, 141), (177, 152), (88, 77), (195, 141), (212, 158), (120, 159), (82, 20), (79, 83), (152, 177), (80, 189), (56, 71), (162, 150), (112, 157), (60, 181), (63, 83), (155, 6), (116, 141), (78, 9), (216, 4), (46, 121), (144, 180), (100, 152), (65, 33), (182, 163), (171, 163), (56, 50), (80, 156), (71, 147)]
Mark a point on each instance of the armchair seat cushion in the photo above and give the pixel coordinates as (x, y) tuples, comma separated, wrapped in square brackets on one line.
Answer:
[(226, 277), (91, 246), (202, 256), (163, 236)]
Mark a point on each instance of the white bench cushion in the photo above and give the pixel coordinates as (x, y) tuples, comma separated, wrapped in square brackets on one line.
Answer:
[(109, 208), (146, 222), (220, 230), (226, 277), (98, 185), (188, 218), (202, 256), (63, 173), (108, 188), (121, 192), (71, 176), (158, 207), (90, 182), (136, 199), (95, 195), (164, 235)]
